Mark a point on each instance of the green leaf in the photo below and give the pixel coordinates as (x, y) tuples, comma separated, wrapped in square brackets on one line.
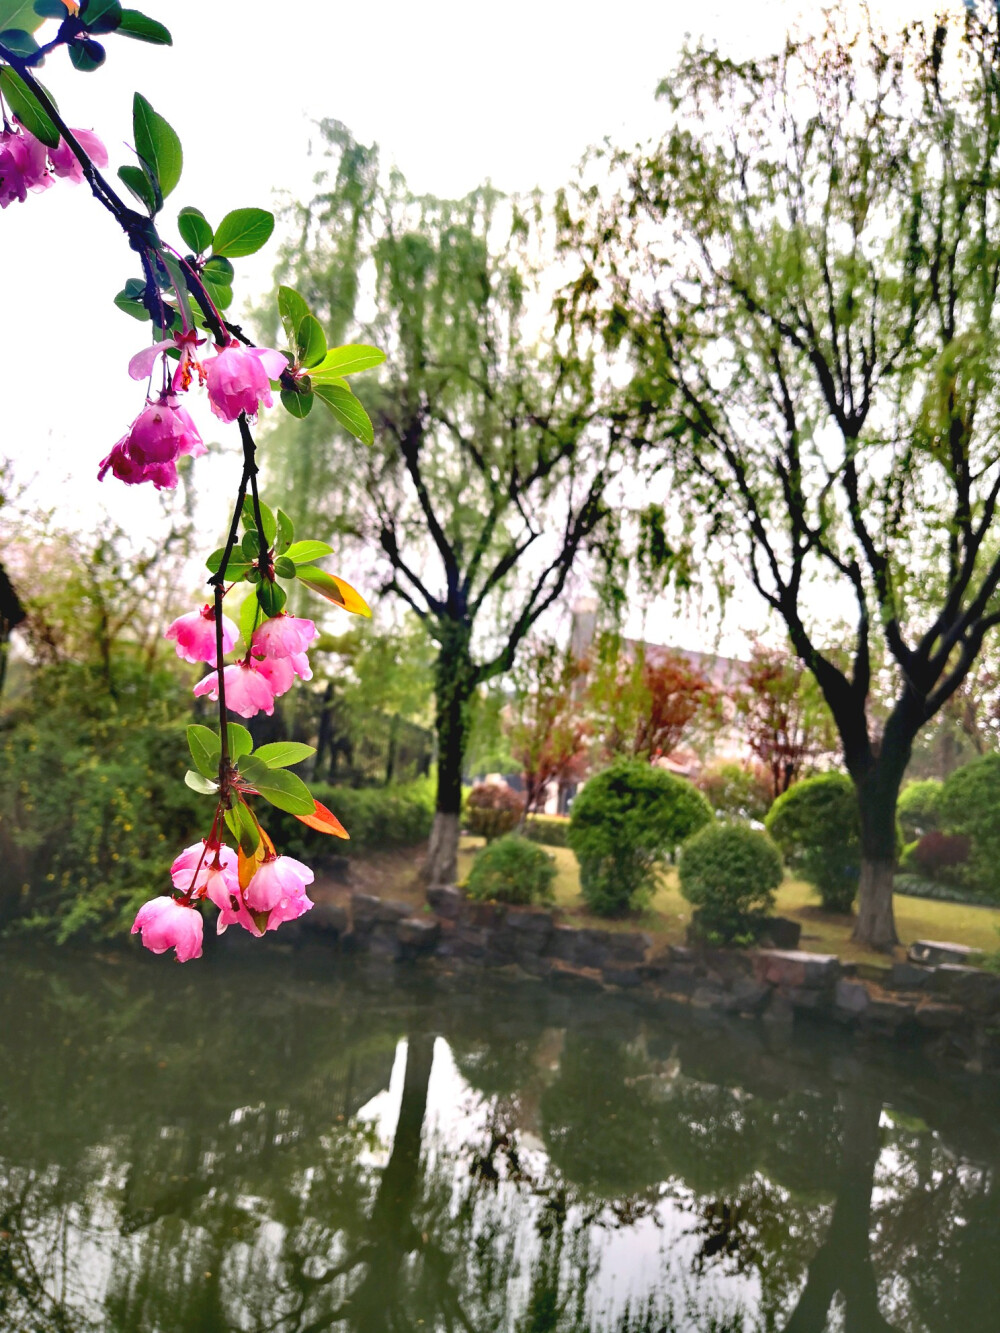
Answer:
[(296, 403), (240, 740), (200, 784), (250, 617), (348, 361), (101, 15), (129, 299), (143, 29), (310, 342), (346, 408), (281, 754), (22, 102), (333, 589), (205, 750), (266, 517), (236, 567), (45, 9), (194, 229), (304, 553), (20, 42), (286, 532), (251, 545), (292, 309), (157, 144), (222, 295), (86, 54), (179, 284), (281, 788), (283, 567), (243, 827), (243, 232), (24, 15), (271, 597), (218, 270), (140, 186)]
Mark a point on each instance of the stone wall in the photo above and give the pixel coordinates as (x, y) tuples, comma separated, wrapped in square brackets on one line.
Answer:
[(952, 1012)]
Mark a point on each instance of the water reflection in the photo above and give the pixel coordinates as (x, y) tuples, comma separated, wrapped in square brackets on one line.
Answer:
[(296, 1147)]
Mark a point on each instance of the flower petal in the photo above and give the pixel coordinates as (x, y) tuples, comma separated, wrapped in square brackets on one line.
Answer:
[(273, 362), (143, 362)]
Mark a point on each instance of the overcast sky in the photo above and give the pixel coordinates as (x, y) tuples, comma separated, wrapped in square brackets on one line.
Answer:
[(453, 92)]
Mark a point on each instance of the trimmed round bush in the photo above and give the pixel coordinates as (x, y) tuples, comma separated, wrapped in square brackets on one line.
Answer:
[(624, 824), (919, 808), (512, 870), (730, 872), (818, 830), (970, 807), (493, 809)]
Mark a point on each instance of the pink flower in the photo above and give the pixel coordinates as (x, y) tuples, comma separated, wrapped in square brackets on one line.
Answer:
[(280, 672), (127, 469), (23, 166), (247, 692), (238, 379), (278, 879), (288, 909), (65, 162), (187, 343), (159, 435), (167, 924), (195, 635), (283, 636), (200, 857), (236, 916)]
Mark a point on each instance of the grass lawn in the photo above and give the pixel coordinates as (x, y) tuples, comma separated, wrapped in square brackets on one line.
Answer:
[(822, 932)]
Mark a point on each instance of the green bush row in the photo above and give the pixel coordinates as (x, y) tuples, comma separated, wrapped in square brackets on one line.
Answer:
[(377, 819), (549, 830)]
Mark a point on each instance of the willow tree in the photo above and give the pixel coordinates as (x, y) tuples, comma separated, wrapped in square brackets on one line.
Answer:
[(805, 271), (491, 455)]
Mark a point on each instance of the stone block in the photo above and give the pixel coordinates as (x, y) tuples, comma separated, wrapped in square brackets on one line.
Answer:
[(529, 932), (886, 1015), (781, 932), (463, 943), (977, 991), (419, 933), (681, 979), (936, 1017), (851, 998), (622, 974), (331, 918), (628, 946), (748, 996), (364, 909), (709, 997), (790, 968), (482, 916), (909, 976), (390, 911), (445, 900), (807, 999), (939, 951), (383, 941)]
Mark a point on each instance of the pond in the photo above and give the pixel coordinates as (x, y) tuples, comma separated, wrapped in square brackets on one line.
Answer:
[(298, 1143)]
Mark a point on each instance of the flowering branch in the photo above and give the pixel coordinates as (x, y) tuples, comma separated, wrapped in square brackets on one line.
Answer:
[(185, 295)]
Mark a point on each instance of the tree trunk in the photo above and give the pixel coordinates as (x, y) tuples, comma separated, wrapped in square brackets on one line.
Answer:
[(454, 684), (878, 792)]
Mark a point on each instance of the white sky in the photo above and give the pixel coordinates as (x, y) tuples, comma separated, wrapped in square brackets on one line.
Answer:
[(454, 93)]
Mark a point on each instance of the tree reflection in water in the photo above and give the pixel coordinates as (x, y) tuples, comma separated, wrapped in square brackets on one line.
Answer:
[(553, 1167)]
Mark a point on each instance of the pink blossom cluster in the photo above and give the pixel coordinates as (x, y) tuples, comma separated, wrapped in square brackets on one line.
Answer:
[(276, 893), (277, 655), (26, 164)]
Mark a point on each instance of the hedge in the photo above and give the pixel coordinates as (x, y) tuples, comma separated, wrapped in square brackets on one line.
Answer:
[(549, 830), (377, 818)]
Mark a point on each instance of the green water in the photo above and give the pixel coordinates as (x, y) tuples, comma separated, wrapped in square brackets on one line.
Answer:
[(292, 1143)]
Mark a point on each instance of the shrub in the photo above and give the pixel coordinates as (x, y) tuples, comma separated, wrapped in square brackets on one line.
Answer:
[(938, 852), (735, 792), (377, 818), (549, 830), (512, 870), (970, 806), (730, 872), (625, 822), (818, 829), (493, 809), (919, 808)]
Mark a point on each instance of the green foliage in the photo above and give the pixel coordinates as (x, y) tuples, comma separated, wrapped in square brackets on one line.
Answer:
[(970, 805), (377, 819), (918, 809), (735, 792), (549, 830), (624, 823), (730, 872), (91, 809), (818, 829), (512, 870)]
